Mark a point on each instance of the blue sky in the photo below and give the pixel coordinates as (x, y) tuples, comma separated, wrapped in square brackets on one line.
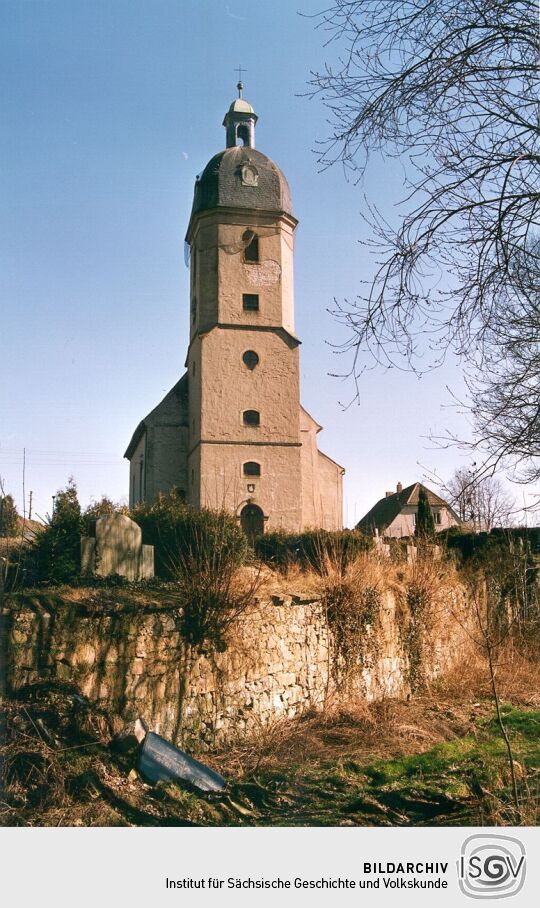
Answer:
[(111, 108)]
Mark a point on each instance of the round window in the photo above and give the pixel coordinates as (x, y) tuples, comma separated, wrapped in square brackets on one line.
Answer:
[(250, 359)]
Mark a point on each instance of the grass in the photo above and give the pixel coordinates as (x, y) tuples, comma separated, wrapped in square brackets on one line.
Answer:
[(435, 759), (429, 761)]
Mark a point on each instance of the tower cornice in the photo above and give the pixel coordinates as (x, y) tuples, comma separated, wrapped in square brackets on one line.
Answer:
[(239, 217), (290, 339)]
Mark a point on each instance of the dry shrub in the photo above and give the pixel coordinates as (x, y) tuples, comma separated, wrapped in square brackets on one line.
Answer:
[(352, 593), (212, 594), (31, 776), (213, 586), (428, 591), (350, 731), (517, 675)]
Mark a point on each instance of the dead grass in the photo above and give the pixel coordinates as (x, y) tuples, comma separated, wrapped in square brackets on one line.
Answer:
[(517, 674), (360, 731)]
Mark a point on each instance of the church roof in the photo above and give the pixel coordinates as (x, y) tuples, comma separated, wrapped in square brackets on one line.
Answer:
[(221, 185), (173, 405), (387, 509)]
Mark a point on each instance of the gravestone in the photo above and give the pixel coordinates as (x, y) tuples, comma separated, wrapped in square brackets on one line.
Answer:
[(88, 555), (118, 546), (117, 549)]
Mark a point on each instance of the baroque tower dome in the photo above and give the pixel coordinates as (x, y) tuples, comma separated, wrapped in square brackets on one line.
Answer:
[(240, 176)]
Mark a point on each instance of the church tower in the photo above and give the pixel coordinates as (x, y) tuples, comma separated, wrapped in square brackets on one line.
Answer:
[(244, 435), (232, 433)]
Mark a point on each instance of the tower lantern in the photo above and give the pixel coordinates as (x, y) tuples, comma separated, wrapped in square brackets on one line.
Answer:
[(240, 122)]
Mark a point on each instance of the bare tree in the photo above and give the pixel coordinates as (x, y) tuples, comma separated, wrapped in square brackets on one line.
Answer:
[(451, 90), (480, 500)]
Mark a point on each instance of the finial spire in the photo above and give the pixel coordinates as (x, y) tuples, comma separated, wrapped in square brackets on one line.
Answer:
[(240, 119), (240, 85)]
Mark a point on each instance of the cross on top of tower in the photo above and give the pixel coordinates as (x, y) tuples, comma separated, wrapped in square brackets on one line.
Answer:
[(240, 86)]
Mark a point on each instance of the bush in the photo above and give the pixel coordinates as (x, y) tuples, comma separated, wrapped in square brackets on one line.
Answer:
[(201, 551), (9, 518), (56, 554), (311, 549), (101, 508), (179, 534), (352, 596)]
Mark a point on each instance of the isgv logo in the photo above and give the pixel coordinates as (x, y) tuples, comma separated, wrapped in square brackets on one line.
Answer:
[(491, 866)]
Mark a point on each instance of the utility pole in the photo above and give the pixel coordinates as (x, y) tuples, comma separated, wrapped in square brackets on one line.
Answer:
[(30, 507)]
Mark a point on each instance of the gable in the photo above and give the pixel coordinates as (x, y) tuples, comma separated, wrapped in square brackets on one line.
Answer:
[(388, 508)]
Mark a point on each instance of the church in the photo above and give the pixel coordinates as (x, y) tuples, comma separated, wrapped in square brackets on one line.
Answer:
[(232, 432)]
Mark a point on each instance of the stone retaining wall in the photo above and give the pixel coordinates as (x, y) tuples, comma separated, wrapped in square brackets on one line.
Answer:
[(280, 661)]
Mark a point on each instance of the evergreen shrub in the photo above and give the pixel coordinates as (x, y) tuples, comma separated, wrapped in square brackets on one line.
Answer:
[(56, 553)]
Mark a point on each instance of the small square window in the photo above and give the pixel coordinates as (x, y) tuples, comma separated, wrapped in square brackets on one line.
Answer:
[(251, 418), (250, 302)]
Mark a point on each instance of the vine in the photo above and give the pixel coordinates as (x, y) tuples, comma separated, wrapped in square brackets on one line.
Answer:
[(352, 600)]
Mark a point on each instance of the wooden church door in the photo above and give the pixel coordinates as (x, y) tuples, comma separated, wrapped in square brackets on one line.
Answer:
[(252, 521)]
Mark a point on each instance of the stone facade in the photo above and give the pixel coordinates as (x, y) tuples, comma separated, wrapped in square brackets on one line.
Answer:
[(241, 239), (280, 660)]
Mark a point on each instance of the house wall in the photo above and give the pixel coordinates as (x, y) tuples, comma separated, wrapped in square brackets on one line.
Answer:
[(136, 475), (162, 449), (404, 524), (331, 493), (221, 387), (277, 491), (220, 275), (322, 482)]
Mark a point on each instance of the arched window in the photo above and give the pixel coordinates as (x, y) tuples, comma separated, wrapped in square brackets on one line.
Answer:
[(252, 468), (251, 249), (250, 359), (251, 418), (242, 133), (193, 309)]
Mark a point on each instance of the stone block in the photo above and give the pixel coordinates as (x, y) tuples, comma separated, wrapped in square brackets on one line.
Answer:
[(146, 570), (88, 556)]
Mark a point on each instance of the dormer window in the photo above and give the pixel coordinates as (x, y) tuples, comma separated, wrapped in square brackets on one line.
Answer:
[(251, 418)]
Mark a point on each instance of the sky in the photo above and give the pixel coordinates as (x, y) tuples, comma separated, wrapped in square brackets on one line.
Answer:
[(110, 110)]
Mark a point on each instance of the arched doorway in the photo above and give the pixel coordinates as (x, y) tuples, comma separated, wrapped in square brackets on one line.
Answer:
[(252, 521)]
